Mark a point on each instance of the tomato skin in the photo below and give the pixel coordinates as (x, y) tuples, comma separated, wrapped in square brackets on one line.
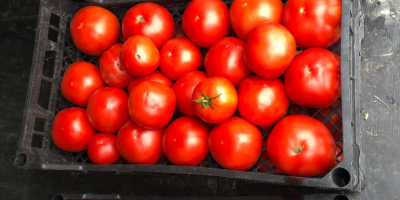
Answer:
[(301, 146), (102, 149), (205, 22), (184, 88), (178, 57), (139, 145), (80, 81), (313, 23), (225, 59), (235, 144), (313, 78), (185, 141), (155, 76), (262, 101), (94, 30), (245, 15), (71, 130), (111, 70), (269, 50), (139, 56), (151, 104)]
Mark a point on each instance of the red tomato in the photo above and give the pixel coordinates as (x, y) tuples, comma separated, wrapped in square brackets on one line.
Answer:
[(245, 14), (225, 59), (313, 23), (94, 29), (301, 146), (111, 70), (205, 22), (214, 100), (155, 76), (313, 78), (269, 50), (151, 104), (139, 145), (262, 102), (185, 141), (72, 130), (102, 149), (235, 144), (107, 109), (139, 56), (80, 81), (150, 20), (178, 57)]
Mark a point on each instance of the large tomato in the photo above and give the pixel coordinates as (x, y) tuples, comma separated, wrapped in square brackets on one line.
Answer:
[(225, 59), (111, 70), (215, 100), (269, 50), (245, 14), (205, 22), (262, 101), (313, 78), (301, 146), (102, 149), (313, 23), (235, 144), (71, 130), (80, 81), (150, 20), (94, 29), (155, 76)]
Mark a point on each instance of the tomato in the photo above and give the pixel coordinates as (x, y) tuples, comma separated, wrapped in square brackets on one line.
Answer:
[(178, 57), (313, 78), (225, 59), (150, 20), (262, 102), (102, 149), (107, 109), (313, 23), (80, 81), (245, 14), (139, 145), (269, 50), (139, 56), (214, 100), (94, 29), (185, 141), (155, 76), (151, 104), (71, 130), (205, 22), (301, 146), (235, 144)]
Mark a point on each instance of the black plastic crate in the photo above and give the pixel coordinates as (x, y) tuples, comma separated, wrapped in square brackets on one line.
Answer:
[(54, 51)]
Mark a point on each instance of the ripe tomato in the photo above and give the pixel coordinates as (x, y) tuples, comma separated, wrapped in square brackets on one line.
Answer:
[(107, 109), (178, 57), (225, 59), (102, 149), (185, 141), (313, 23), (214, 100), (150, 20), (301, 146), (269, 50), (111, 70), (235, 144), (79, 82), (94, 29), (139, 56), (155, 76), (72, 130), (262, 102), (313, 78), (139, 145), (151, 104), (245, 15), (205, 22)]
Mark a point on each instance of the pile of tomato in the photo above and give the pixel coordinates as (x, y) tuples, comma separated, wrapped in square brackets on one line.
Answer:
[(150, 98)]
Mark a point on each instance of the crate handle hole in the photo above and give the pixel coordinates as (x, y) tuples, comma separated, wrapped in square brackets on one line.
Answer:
[(58, 197), (340, 177), (20, 160), (340, 197)]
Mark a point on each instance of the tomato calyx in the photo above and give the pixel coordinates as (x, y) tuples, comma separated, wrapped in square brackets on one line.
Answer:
[(206, 101), (297, 149)]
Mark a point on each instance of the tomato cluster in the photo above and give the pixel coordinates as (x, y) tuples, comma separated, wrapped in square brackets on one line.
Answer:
[(150, 98)]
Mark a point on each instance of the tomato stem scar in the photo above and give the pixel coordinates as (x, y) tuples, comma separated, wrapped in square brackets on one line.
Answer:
[(297, 149), (206, 101)]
